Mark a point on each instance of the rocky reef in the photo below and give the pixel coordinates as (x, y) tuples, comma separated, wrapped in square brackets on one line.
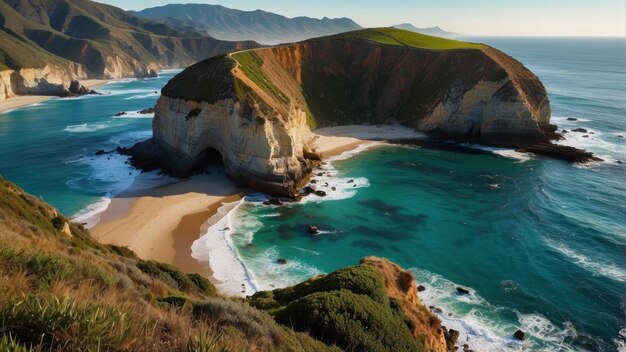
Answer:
[(256, 107)]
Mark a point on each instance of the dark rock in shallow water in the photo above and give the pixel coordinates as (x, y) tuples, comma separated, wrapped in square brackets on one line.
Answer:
[(273, 201), (421, 288), (78, 89), (320, 193), (100, 152), (313, 229), (581, 130), (451, 336), (351, 181), (586, 136), (572, 119), (147, 111), (121, 113), (462, 290), (565, 131), (519, 334), (620, 136), (334, 188), (562, 152), (314, 181), (281, 261), (308, 190)]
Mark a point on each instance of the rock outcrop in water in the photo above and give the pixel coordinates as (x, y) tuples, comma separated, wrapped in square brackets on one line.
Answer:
[(255, 107)]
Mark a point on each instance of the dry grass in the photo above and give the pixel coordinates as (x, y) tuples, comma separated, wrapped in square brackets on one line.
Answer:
[(62, 293)]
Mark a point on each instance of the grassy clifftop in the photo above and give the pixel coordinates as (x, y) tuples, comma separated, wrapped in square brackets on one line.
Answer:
[(401, 37), (61, 290)]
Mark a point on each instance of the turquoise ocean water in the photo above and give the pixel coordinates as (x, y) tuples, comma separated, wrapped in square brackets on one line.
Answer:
[(539, 242)]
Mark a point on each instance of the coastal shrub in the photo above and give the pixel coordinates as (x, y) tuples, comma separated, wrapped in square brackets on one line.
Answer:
[(354, 322), (41, 268), (60, 323), (362, 279), (170, 275), (173, 300), (122, 251), (252, 322), (57, 222)]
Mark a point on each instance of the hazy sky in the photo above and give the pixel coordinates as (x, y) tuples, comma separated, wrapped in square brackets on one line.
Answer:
[(478, 17)]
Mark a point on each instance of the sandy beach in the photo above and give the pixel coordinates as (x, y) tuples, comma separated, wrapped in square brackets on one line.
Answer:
[(330, 141), (19, 101), (162, 223)]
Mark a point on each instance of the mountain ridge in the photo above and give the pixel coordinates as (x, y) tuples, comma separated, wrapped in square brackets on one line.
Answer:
[(45, 44), (232, 24)]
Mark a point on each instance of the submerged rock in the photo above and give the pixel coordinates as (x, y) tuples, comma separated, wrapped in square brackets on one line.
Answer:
[(313, 230), (281, 261), (462, 290), (580, 130), (572, 119)]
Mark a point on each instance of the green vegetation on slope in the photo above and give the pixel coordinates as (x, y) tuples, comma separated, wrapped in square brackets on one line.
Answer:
[(68, 292), (61, 290), (349, 307), (252, 65), (401, 37), (37, 32)]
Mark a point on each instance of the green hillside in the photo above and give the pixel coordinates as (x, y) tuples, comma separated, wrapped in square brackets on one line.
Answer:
[(401, 37), (106, 40), (63, 291)]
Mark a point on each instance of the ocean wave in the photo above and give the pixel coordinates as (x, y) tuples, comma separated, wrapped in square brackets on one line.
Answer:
[(326, 177), (144, 96), (90, 215), (598, 268), (216, 248), (134, 115), (482, 325), (84, 128), (504, 152)]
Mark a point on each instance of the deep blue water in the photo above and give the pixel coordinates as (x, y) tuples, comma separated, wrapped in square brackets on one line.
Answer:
[(540, 243)]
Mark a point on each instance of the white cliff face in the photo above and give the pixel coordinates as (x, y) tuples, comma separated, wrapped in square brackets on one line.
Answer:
[(480, 112), (261, 151), (49, 80)]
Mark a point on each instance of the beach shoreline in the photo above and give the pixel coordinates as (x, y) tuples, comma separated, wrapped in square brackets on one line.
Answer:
[(20, 101), (162, 223)]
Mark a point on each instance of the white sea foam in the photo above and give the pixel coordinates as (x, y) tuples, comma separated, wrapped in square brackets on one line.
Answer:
[(144, 96), (596, 267), (345, 187), (90, 215), (216, 247), (85, 127), (504, 152), (134, 115), (480, 324)]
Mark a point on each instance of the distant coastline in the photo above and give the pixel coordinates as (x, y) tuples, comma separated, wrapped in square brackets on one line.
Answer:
[(20, 101)]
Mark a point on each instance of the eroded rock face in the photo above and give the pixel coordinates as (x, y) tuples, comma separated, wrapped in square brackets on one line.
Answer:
[(265, 152), (255, 107), (49, 80)]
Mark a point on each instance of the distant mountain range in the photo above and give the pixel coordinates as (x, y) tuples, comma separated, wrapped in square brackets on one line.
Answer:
[(62, 40), (434, 31), (230, 24)]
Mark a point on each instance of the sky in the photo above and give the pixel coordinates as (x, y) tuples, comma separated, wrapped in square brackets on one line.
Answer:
[(471, 17)]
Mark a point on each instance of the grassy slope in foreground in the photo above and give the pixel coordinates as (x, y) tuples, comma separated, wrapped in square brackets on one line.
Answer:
[(61, 290)]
